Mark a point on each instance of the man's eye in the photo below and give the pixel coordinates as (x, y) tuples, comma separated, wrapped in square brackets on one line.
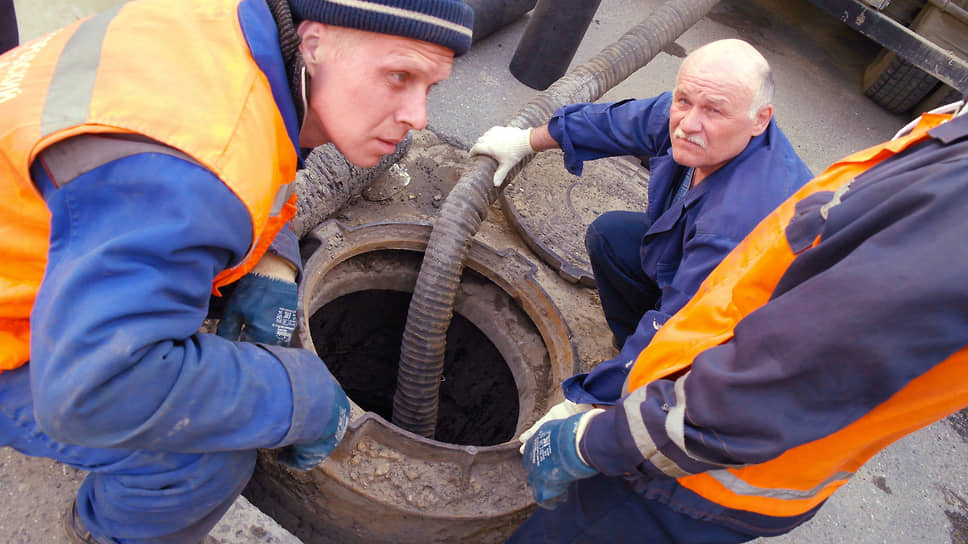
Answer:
[(400, 77)]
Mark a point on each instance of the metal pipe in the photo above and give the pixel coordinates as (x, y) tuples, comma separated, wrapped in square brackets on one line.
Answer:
[(465, 208)]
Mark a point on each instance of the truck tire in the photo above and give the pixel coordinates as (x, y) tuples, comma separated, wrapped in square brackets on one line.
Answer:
[(895, 84), (941, 96)]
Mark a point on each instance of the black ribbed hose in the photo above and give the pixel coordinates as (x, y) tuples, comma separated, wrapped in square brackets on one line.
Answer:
[(431, 308)]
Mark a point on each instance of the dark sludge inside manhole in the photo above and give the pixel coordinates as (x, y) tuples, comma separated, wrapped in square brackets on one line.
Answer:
[(358, 335)]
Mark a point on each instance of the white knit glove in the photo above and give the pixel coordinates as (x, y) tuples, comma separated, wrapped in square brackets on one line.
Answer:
[(506, 145), (582, 425), (561, 410)]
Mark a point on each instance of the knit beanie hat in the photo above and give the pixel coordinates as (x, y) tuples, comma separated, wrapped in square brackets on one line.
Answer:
[(448, 23)]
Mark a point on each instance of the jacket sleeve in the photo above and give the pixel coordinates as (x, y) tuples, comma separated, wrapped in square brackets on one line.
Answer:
[(116, 359), (286, 245), (589, 131), (839, 336)]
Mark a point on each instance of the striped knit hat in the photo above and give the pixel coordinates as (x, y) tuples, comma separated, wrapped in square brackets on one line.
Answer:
[(444, 22)]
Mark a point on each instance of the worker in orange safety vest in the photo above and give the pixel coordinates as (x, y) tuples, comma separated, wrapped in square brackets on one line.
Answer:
[(839, 325), (147, 160)]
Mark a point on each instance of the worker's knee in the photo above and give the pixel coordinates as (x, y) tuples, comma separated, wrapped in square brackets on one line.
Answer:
[(172, 478), (185, 494), (616, 235)]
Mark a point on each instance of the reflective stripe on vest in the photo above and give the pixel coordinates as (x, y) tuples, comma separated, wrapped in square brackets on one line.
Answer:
[(66, 160), (803, 477), (122, 73)]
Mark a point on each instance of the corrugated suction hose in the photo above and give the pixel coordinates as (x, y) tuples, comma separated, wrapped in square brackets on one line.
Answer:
[(462, 213)]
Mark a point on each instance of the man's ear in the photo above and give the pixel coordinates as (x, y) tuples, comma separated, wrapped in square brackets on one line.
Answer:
[(762, 119), (311, 34)]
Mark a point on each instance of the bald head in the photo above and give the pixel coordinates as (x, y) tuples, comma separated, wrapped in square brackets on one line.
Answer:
[(740, 63)]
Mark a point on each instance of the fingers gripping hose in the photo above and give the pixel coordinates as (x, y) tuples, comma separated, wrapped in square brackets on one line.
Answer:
[(431, 308)]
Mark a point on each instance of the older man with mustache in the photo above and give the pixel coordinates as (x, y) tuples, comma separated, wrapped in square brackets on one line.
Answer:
[(719, 163)]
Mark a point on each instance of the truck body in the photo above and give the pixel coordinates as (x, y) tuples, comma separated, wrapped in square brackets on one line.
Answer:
[(924, 61)]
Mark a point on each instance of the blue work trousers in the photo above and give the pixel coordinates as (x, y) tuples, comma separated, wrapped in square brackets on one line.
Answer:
[(131, 496), (604, 510), (614, 245)]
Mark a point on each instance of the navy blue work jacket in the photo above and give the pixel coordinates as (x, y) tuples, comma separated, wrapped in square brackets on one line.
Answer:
[(689, 239)]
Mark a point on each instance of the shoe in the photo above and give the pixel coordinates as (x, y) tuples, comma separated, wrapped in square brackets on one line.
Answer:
[(78, 534), (75, 530)]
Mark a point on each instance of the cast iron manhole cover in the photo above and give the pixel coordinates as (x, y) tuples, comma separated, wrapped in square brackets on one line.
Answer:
[(551, 209)]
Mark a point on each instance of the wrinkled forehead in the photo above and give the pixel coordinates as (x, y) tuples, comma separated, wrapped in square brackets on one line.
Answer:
[(722, 81)]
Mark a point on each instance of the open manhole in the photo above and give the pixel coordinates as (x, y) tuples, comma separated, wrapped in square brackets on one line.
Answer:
[(359, 336), (508, 348)]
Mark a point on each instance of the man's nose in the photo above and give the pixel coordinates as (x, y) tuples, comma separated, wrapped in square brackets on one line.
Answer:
[(691, 121), (413, 111)]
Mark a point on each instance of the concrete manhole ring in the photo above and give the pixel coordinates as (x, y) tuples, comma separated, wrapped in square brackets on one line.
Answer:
[(384, 484)]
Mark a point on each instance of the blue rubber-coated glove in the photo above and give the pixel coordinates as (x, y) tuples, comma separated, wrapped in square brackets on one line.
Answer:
[(262, 309), (552, 461), (309, 456), (559, 411)]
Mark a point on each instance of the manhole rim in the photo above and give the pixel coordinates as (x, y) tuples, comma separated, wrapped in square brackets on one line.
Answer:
[(508, 270)]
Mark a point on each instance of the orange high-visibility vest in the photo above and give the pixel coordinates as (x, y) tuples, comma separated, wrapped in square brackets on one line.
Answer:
[(178, 72), (803, 477)]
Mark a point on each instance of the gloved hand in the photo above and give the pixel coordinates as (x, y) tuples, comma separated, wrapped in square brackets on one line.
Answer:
[(506, 145), (552, 460), (262, 308), (559, 411), (309, 456)]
